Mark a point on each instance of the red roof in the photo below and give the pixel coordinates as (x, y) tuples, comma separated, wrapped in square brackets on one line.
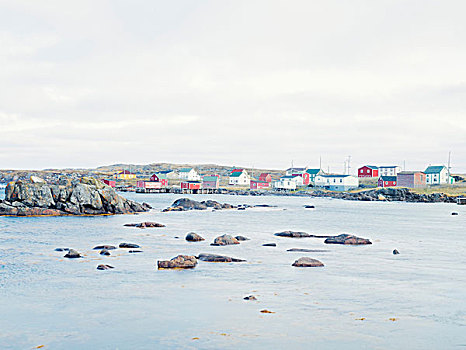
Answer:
[(126, 172), (237, 170)]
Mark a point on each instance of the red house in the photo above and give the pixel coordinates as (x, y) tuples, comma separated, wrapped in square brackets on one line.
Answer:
[(368, 171), (190, 185), (258, 185), (211, 181), (160, 178), (111, 183), (387, 181), (265, 177)]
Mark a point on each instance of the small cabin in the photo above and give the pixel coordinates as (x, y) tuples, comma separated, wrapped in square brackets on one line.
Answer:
[(387, 181), (211, 181), (111, 183), (259, 185)]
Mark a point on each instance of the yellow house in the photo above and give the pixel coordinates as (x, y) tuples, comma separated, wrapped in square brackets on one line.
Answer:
[(125, 175)]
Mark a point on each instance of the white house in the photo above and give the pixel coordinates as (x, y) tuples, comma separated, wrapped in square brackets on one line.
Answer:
[(389, 170), (437, 174), (337, 182), (189, 174), (239, 177), (286, 183)]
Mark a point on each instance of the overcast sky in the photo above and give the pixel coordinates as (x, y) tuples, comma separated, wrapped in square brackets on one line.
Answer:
[(250, 83)]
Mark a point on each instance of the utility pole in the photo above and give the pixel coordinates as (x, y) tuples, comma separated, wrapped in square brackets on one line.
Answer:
[(449, 158), (345, 165), (404, 165), (349, 166), (320, 163)]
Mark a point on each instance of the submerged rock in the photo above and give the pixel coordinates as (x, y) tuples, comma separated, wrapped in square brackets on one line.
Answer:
[(454, 213), (62, 249), (194, 237), (307, 262), (72, 254), (147, 224), (134, 251), (88, 197), (225, 240), (104, 252), (179, 262), (307, 250), (105, 246), (293, 234), (242, 238), (104, 267), (309, 207), (347, 240), (269, 245), (217, 258), (128, 245)]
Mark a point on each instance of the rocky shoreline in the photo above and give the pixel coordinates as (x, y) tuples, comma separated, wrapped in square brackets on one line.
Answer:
[(89, 196), (379, 194)]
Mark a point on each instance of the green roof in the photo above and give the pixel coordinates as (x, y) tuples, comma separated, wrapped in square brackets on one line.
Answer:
[(210, 178), (313, 171), (185, 170), (434, 169), (236, 174)]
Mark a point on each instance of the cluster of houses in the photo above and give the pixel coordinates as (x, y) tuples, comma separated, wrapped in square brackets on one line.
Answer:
[(391, 176), (387, 176)]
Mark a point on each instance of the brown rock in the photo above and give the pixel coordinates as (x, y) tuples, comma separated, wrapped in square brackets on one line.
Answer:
[(179, 262), (307, 262), (347, 240), (194, 237), (225, 240)]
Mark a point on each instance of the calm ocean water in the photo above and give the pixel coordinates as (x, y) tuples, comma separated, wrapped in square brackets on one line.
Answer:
[(415, 300)]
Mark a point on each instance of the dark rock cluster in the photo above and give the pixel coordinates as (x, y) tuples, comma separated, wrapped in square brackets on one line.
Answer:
[(87, 197)]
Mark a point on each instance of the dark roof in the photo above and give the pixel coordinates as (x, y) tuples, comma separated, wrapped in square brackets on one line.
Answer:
[(335, 175), (126, 172), (409, 172), (388, 178), (296, 169), (434, 169)]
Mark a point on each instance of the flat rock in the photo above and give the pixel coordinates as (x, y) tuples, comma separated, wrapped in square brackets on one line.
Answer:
[(307, 250), (178, 262), (104, 246), (134, 251), (146, 224), (307, 262), (242, 238), (225, 240), (217, 258), (194, 237), (347, 240), (104, 267), (73, 254), (293, 234), (309, 207), (128, 245), (269, 245), (454, 213)]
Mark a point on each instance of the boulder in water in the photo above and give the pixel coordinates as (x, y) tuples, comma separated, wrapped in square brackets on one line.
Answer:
[(293, 234), (104, 267), (269, 245), (194, 237), (128, 245), (179, 262), (347, 240), (147, 224), (72, 254), (242, 238), (104, 246), (225, 240), (307, 262)]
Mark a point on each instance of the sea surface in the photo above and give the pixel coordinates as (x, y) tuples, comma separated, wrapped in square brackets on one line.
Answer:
[(363, 298)]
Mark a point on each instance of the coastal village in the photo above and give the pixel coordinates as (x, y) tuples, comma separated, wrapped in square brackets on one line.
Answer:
[(191, 180)]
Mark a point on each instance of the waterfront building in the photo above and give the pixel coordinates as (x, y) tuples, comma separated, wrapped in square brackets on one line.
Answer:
[(368, 171), (387, 181)]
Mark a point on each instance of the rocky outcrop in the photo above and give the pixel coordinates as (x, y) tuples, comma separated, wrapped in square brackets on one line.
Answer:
[(194, 237), (184, 204), (87, 197), (347, 240), (179, 262), (217, 258), (147, 224), (225, 240), (104, 246), (307, 262)]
